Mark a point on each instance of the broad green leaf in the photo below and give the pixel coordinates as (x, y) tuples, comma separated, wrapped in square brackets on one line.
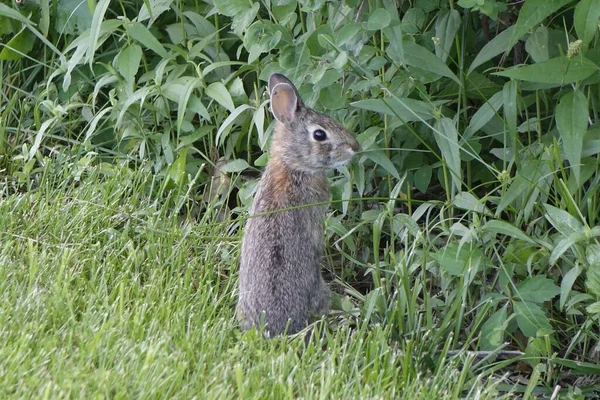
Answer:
[(537, 289), (446, 137), (97, 19), (242, 20), (587, 16), (422, 177), (184, 97), (483, 115), (494, 47), (445, 30), (559, 70), (467, 201), (457, 260), (492, 331), (524, 184), (567, 284), (379, 158), (531, 319), (545, 44), (235, 166), (504, 228), (47, 125), (572, 121), (562, 221), (420, 57), (157, 7), (406, 221), (229, 120), (19, 45), (218, 92), (395, 50), (378, 19), (407, 110), (73, 17), (532, 13), (231, 8), (14, 14), (128, 62), (592, 282), (509, 99), (143, 35), (565, 244)]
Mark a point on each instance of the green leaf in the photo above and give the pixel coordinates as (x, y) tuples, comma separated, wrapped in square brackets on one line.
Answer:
[(217, 91), (407, 110), (395, 50), (559, 70), (562, 221), (532, 13), (537, 289), (467, 201), (446, 137), (14, 14), (242, 20), (457, 260), (231, 8), (420, 57), (572, 121), (565, 244), (143, 35), (72, 17), (545, 44), (504, 228), (587, 15), (422, 177), (379, 158), (567, 284), (97, 19), (157, 7), (494, 47), (20, 44), (229, 120), (484, 114), (445, 30), (531, 319), (235, 166), (128, 62), (492, 331), (184, 97), (378, 19)]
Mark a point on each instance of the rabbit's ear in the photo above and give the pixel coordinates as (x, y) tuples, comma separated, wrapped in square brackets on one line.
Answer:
[(284, 98)]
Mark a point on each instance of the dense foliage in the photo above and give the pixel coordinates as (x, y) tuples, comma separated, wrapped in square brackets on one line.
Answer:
[(471, 212)]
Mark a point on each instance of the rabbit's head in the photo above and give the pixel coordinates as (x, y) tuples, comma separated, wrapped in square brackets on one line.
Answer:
[(305, 139)]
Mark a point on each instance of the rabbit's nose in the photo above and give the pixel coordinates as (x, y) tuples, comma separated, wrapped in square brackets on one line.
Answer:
[(355, 146)]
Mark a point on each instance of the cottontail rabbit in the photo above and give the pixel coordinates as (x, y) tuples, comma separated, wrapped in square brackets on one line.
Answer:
[(280, 269)]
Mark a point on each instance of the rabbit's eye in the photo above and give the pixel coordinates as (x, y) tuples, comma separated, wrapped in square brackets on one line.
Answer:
[(319, 135)]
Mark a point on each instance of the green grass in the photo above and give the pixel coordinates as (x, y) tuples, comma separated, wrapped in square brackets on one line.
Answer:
[(106, 293)]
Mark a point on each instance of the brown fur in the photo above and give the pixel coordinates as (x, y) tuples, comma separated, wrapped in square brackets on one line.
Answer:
[(280, 268)]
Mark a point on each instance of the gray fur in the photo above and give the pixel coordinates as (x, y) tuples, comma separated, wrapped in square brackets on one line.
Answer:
[(280, 282)]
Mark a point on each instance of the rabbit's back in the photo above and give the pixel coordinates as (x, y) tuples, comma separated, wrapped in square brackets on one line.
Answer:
[(280, 268)]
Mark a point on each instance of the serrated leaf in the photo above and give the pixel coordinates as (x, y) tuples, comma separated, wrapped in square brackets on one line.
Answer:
[(218, 92), (559, 70), (504, 228), (492, 331), (531, 319), (587, 16), (420, 57), (235, 166), (494, 47), (446, 28), (537, 289), (446, 137), (532, 13), (562, 221), (378, 19), (572, 121), (143, 35)]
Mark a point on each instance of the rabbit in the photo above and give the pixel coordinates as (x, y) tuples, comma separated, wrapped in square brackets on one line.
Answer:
[(280, 284)]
